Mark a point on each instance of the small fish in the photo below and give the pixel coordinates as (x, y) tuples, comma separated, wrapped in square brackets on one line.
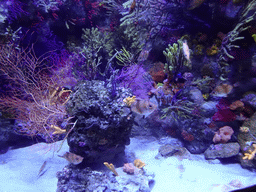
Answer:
[(72, 158), (132, 7), (143, 56), (186, 51), (42, 169), (194, 4), (222, 90), (143, 107)]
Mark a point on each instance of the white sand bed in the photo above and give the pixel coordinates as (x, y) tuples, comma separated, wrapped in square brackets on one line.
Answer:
[(19, 170), (188, 175)]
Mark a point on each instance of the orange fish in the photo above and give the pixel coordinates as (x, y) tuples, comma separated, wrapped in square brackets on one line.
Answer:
[(133, 5), (222, 90), (143, 107), (72, 158)]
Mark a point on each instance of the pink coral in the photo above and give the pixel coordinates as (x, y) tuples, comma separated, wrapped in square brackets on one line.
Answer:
[(128, 168), (223, 135)]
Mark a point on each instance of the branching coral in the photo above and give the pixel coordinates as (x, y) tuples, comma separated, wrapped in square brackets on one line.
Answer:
[(232, 37), (175, 58), (152, 15), (111, 167), (96, 44), (228, 43), (124, 57), (35, 100), (48, 5)]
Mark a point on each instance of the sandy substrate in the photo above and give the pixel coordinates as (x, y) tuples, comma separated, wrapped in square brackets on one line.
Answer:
[(19, 170)]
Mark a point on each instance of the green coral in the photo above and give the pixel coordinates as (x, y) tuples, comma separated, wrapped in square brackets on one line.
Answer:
[(124, 57), (229, 42), (254, 37), (250, 6), (96, 45), (181, 109), (175, 58), (95, 40)]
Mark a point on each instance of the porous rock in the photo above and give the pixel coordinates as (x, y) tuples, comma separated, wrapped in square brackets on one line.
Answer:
[(103, 123)]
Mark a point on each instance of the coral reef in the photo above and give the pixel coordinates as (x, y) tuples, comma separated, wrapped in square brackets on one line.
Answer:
[(72, 178)]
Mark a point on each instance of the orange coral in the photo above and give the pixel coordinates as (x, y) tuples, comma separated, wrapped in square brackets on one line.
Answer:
[(138, 163), (157, 72)]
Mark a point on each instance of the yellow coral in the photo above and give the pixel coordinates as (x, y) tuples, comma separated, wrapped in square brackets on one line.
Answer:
[(138, 163), (212, 51), (58, 130), (206, 96), (254, 37), (129, 100), (251, 153), (111, 167)]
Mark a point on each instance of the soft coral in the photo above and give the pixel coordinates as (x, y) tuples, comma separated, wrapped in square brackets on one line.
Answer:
[(224, 113)]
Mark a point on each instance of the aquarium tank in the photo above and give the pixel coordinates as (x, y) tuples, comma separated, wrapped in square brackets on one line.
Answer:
[(127, 95)]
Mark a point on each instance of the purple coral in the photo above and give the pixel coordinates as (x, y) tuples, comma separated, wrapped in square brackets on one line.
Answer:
[(137, 79), (224, 113)]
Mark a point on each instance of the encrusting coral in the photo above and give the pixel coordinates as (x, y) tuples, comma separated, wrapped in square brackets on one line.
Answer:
[(223, 135)]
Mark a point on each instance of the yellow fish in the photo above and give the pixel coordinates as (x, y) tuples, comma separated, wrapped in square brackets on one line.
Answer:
[(72, 158), (143, 107)]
